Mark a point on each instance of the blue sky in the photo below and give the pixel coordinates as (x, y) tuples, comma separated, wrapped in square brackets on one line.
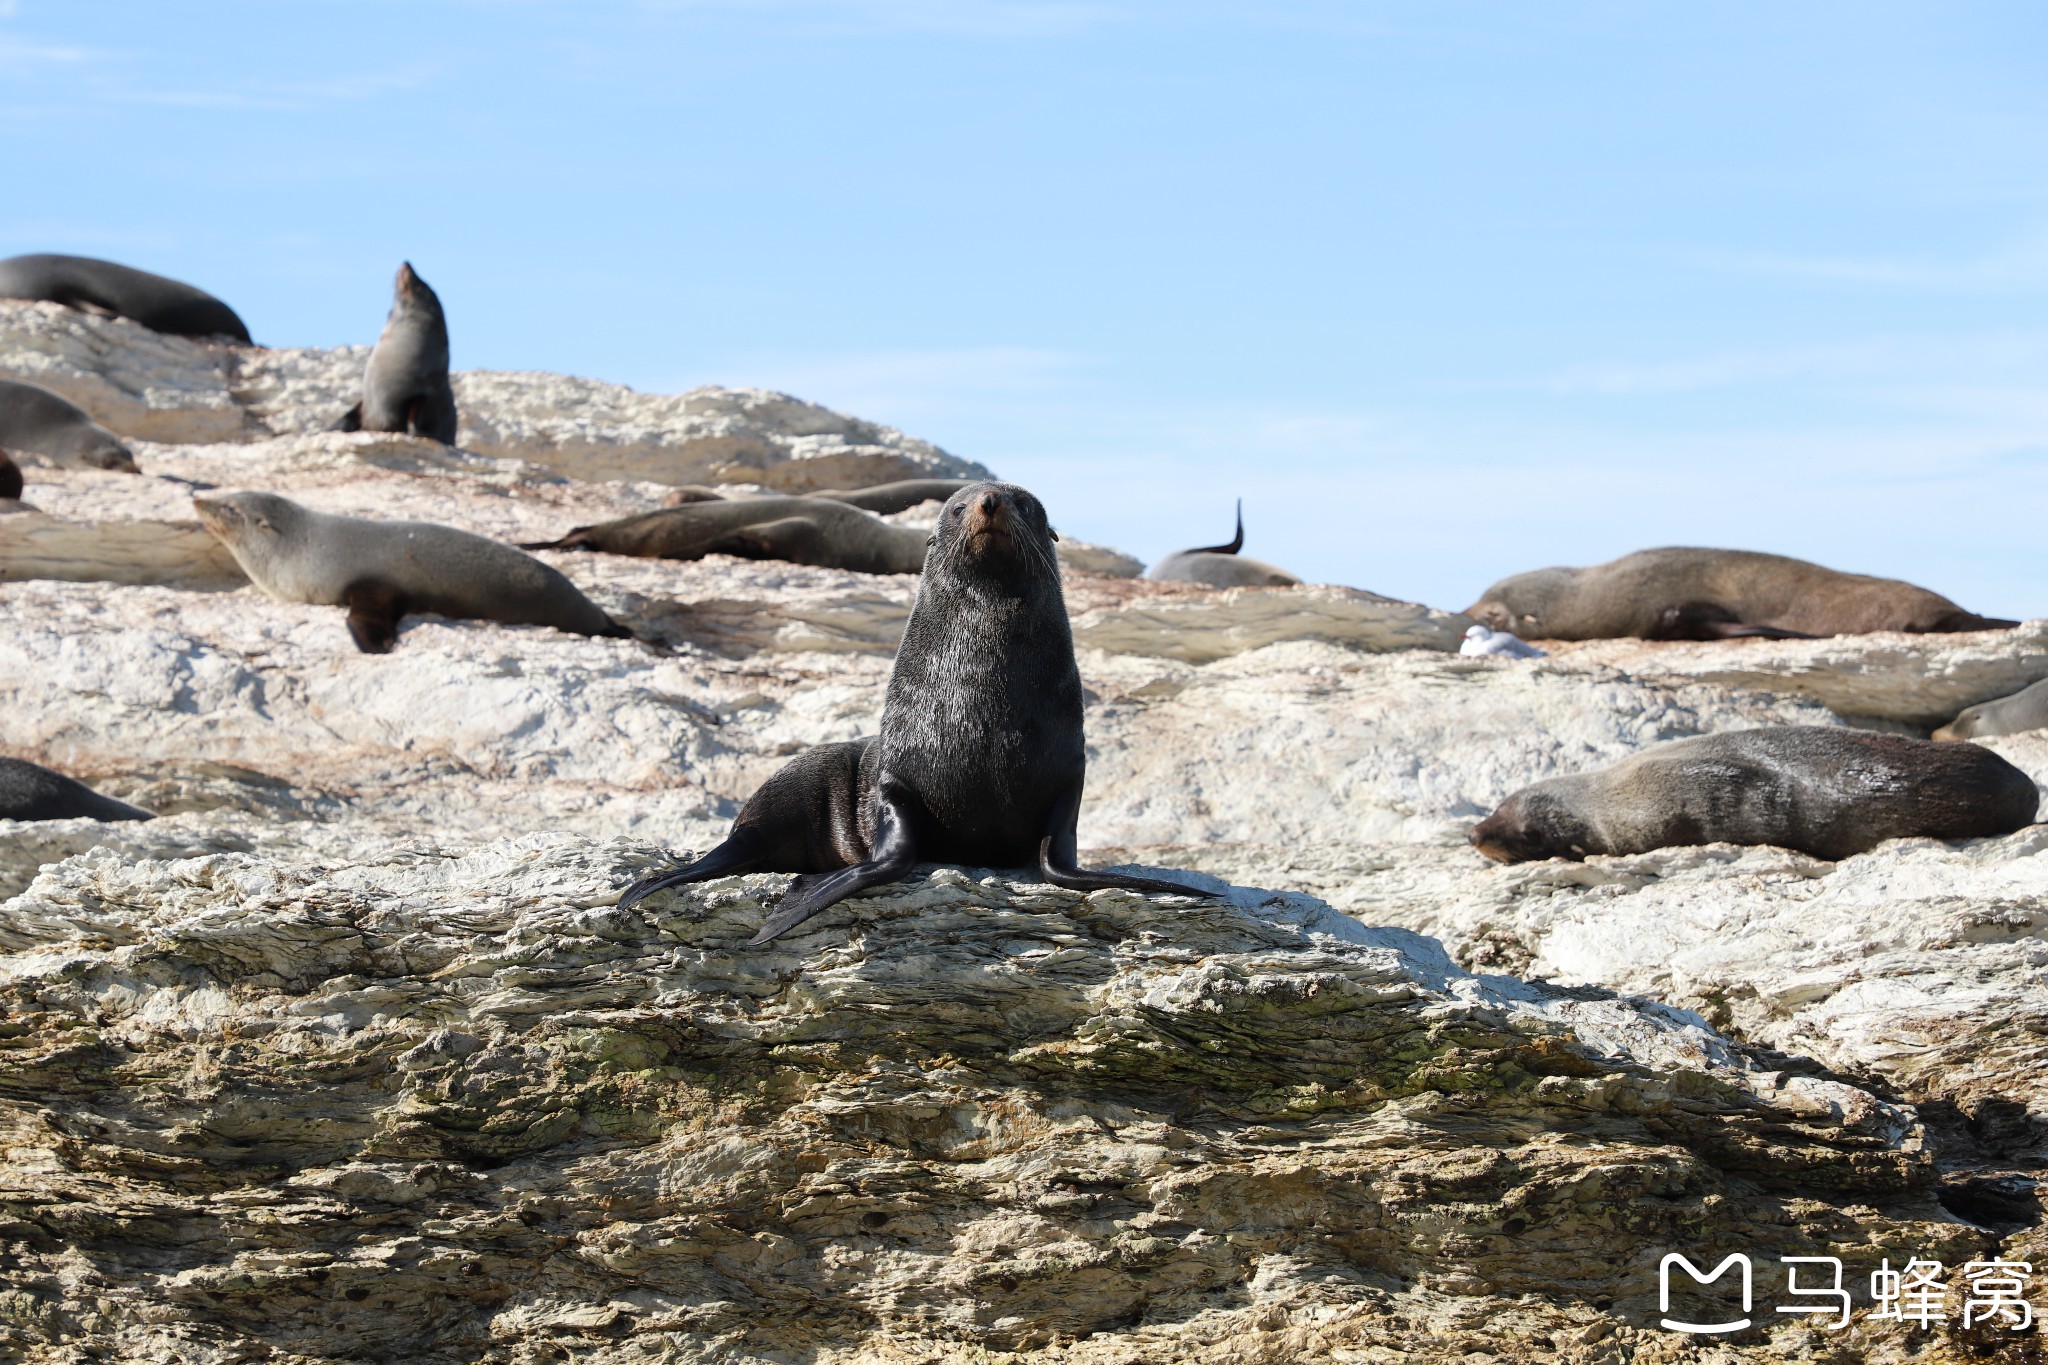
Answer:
[(1444, 292)]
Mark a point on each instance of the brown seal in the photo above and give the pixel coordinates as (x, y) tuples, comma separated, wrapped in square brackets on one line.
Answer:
[(981, 759), (384, 570), (1699, 594), (1825, 791), (29, 791), (2026, 709), (121, 291), (1221, 566), (35, 421), (405, 385), (819, 531)]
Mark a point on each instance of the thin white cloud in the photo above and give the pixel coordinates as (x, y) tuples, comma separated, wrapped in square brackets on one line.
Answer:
[(17, 56), (1903, 359), (961, 18), (2024, 264)]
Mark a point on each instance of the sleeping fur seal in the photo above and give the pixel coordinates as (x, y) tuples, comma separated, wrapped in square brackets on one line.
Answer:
[(405, 385), (901, 496), (1824, 791), (35, 421), (383, 570), (10, 478), (92, 286), (980, 760), (817, 531), (1699, 594), (29, 791), (1220, 566), (2026, 709)]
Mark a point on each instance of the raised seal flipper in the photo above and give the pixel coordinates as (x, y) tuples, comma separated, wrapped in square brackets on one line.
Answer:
[(895, 854), (741, 852), (1236, 541), (373, 612), (352, 420), (1059, 859)]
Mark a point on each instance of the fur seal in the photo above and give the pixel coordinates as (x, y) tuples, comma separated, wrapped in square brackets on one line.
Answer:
[(981, 758), (901, 496), (1698, 594), (34, 420), (1220, 566), (1828, 792), (384, 570), (10, 478), (2026, 709), (29, 791), (93, 286), (817, 531), (405, 385)]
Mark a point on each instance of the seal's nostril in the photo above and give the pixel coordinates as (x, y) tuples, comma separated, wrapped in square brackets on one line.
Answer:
[(991, 500)]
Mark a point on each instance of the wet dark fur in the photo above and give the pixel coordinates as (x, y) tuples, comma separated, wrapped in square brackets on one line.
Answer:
[(93, 286), (1829, 792), (820, 531), (29, 791), (1699, 594), (980, 760), (10, 477)]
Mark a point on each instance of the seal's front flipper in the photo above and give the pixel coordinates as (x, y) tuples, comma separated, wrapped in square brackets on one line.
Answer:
[(741, 852), (895, 854), (1059, 861), (352, 420), (1712, 621), (373, 612)]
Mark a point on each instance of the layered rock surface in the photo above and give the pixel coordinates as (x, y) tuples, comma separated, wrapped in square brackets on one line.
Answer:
[(346, 1056)]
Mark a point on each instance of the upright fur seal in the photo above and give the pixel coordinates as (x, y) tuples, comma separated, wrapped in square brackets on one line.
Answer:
[(817, 531), (2026, 709), (34, 420), (980, 760), (383, 570), (10, 478), (92, 286), (405, 385), (29, 791), (1824, 791), (1698, 594), (1220, 566)]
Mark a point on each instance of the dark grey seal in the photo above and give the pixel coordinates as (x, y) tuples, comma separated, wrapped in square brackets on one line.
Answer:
[(980, 760), (1686, 593), (34, 420), (405, 385), (29, 791), (2026, 709), (384, 570), (1221, 566), (1829, 792), (92, 286)]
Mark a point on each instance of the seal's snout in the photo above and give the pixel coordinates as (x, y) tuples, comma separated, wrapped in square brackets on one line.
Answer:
[(406, 278), (989, 517)]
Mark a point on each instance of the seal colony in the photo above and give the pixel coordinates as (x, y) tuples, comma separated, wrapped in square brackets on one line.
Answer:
[(980, 759), (384, 570), (1825, 791), (1699, 594)]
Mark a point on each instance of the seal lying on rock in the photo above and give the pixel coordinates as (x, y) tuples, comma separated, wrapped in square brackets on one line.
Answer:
[(405, 385), (1696, 594), (1824, 791), (981, 758), (1220, 566), (2026, 709), (34, 420), (819, 531), (92, 286), (901, 496), (29, 791), (383, 570)]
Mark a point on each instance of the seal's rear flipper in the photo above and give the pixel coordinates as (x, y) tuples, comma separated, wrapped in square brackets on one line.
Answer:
[(1236, 541), (578, 539), (1970, 620), (352, 420), (373, 612), (1059, 863), (895, 855), (1712, 621), (741, 852)]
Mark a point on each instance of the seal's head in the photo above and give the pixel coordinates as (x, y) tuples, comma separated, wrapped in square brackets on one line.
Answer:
[(409, 291), (1531, 825), (253, 526), (1964, 726), (993, 530), (1518, 604)]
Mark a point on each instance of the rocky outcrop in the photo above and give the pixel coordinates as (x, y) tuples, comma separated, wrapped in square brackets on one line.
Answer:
[(459, 1109)]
